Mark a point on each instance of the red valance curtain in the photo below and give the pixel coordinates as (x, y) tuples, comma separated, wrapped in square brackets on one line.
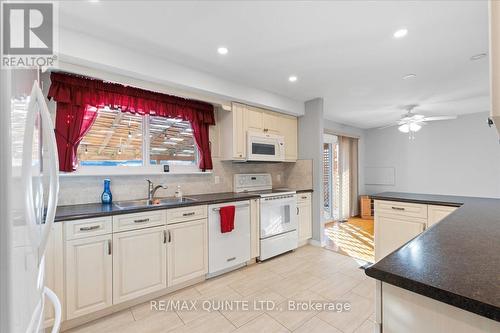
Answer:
[(75, 95)]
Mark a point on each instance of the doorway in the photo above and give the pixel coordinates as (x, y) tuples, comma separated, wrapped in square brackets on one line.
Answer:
[(345, 231)]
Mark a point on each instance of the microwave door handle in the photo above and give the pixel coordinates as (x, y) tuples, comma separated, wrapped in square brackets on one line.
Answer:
[(53, 159)]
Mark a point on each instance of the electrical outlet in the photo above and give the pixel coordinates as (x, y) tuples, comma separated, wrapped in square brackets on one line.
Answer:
[(216, 179), (278, 177)]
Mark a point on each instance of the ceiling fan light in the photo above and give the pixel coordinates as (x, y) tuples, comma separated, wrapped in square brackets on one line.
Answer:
[(405, 128), (414, 127)]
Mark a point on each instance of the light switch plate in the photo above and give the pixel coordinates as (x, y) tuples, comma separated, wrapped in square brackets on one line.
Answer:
[(216, 179)]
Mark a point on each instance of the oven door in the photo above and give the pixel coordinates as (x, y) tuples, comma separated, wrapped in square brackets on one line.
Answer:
[(265, 147), (277, 215)]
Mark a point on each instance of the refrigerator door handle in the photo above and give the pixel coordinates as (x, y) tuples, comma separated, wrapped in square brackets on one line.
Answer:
[(49, 141), (51, 145), (57, 308)]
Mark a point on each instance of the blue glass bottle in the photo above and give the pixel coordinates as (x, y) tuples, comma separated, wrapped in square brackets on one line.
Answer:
[(106, 196)]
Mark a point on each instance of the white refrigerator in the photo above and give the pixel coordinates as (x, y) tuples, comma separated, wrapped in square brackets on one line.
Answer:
[(29, 187)]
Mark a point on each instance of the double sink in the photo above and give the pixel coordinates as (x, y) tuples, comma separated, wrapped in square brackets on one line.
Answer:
[(156, 202)]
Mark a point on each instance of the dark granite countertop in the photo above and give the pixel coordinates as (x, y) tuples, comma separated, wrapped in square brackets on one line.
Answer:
[(456, 261), (75, 212)]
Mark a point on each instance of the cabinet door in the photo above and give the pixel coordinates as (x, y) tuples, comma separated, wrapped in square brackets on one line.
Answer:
[(187, 251), (305, 221), (139, 263), (88, 275), (254, 119), (239, 132), (271, 122), (288, 128), (437, 213), (391, 232)]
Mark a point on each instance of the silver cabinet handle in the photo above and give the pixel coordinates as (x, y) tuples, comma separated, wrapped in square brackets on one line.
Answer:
[(169, 237), (231, 259), (188, 214), (297, 210), (164, 237), (109, 246), (303, 197), (141, 220), (93, 227), (398, 208)]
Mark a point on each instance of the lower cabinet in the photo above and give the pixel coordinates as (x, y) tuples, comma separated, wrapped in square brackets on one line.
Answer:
[(89, 278), (304, 217), (139, 263), (391, 232), (187, 251), (437, 213)]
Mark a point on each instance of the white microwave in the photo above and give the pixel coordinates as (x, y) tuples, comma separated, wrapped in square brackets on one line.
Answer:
[(265, 147)]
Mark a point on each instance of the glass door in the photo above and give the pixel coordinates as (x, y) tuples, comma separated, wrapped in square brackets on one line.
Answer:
[(331, 183)]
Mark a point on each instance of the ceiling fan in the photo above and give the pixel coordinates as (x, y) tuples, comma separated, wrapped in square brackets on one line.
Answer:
[(411, 122)]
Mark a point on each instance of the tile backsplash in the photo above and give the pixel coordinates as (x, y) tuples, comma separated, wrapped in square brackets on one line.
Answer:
[(88, 189)]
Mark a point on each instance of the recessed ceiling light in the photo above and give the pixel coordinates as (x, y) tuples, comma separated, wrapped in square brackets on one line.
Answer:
[(478, 56), (409, 76), (222, 50), (292, 78), (400, 33), (94, 1)]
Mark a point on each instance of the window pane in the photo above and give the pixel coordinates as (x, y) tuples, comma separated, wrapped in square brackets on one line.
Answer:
[(171, 141), (114, 139)]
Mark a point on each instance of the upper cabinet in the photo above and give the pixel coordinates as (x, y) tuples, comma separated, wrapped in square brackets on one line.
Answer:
[(235, 124)]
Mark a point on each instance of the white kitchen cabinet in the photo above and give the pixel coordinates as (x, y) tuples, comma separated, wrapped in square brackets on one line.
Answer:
[(254, 119), (404, 311), (88, 266), (392, 231), (139, 263), (254, 228), (437, 213), (187, 251), (235, 124), (233, 133), (288, 128), (271, 122), (304, 213)]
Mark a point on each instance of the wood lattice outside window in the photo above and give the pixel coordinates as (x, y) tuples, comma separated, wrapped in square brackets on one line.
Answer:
[(122, 139)]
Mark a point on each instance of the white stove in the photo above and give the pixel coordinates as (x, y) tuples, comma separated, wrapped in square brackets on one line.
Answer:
[(278, 213)]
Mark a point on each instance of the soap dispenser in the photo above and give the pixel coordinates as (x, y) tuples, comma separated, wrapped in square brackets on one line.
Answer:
[(178, 192), (106, 196)]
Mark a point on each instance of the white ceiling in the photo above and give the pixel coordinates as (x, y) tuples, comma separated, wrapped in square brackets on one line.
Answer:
[(342, 51)]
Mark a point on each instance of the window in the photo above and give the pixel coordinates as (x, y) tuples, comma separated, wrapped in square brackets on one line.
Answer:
[(171, 141), (121, 139)]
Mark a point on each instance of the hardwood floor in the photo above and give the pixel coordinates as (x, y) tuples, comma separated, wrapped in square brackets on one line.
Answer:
[(353, 238), (307, 274)]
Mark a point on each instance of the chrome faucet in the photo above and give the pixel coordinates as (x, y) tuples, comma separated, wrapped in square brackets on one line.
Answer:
[(152, 189)]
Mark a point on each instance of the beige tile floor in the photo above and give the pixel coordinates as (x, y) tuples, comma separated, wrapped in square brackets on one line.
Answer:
[(308, 274)]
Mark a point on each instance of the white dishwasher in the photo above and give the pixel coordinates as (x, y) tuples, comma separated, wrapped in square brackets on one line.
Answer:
[(230, 250)]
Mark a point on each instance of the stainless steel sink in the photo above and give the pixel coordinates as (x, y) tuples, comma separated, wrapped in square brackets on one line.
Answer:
[(156, 202)]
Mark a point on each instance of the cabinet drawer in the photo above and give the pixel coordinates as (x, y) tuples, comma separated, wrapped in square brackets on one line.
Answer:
[(88, 227), (401, 208), (183, 214), (138, 220), (303, 197)]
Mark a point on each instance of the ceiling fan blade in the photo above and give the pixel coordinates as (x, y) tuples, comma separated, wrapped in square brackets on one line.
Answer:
[(439, 118), (387, 126)]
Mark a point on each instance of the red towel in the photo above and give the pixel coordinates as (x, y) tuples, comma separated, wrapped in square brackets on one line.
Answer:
[(227, 218)]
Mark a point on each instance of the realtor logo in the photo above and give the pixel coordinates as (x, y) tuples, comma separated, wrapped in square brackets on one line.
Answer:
[(28, 34)]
